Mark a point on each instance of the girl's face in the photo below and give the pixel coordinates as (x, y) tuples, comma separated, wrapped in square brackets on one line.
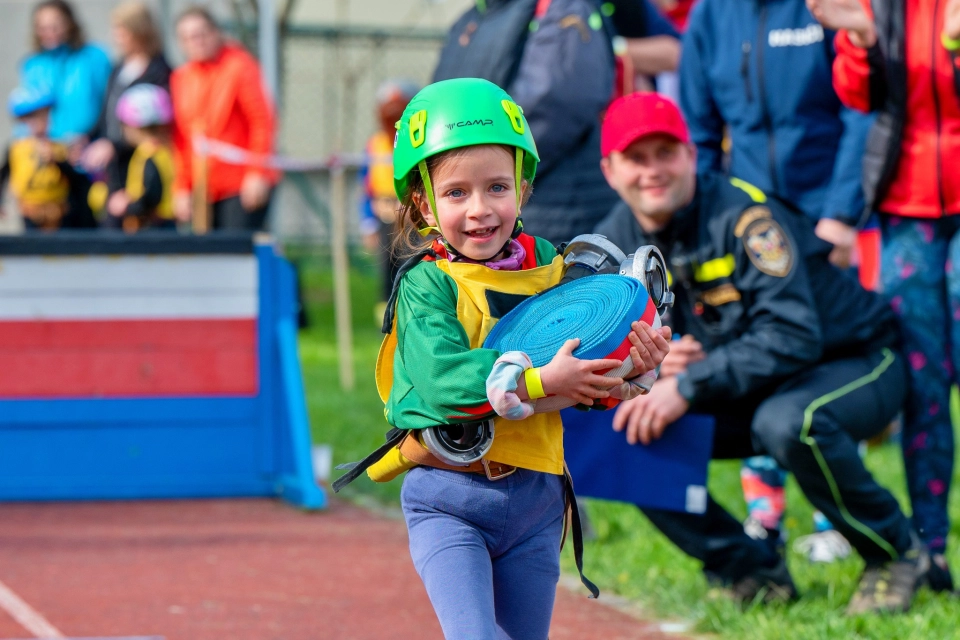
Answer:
[(476, 201), (51, 27)]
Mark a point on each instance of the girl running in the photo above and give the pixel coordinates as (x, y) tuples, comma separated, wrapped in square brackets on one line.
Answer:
[(485, 538)]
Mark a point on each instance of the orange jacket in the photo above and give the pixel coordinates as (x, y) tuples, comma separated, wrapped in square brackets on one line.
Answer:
[(917, 91), (224, 100)]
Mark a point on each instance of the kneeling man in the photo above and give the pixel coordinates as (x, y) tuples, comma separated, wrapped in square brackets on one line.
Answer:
[(790, 355)]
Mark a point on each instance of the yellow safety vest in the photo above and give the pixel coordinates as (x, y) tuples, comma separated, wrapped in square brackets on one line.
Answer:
[(163, 159), (534, 443), (34, 182)]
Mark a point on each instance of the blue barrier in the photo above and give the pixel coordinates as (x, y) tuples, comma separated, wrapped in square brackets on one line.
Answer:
[(143, 438)]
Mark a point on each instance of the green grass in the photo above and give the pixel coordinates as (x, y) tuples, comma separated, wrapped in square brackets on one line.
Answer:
[(629, 557)]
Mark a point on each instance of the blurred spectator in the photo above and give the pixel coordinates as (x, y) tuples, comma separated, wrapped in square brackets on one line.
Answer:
[(555, 58), (137, 40), (762, 71), (49, 192), (378, 207), (901, 62), (219, 97), (73, 72), (650, 44), (146, 200)]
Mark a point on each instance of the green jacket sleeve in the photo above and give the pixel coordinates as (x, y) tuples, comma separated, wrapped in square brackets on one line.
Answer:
[(438, 378)]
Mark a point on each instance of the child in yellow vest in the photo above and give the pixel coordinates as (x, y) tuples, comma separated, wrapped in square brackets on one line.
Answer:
[(146, 201), (484, 536), (40, 177)]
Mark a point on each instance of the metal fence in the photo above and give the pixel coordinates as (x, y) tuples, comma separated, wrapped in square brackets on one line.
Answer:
[(329, 77)]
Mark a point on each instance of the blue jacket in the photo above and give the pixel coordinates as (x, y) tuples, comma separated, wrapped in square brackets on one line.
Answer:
[(762, 68), (78, 80)]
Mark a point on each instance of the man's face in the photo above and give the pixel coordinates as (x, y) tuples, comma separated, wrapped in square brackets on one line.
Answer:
[(655, 176)]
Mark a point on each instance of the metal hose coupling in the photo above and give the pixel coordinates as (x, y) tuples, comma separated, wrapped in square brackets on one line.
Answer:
[(589, 254), (459, 444), (647, 265)]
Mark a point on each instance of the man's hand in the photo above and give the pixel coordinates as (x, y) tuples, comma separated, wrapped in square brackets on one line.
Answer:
[(254, 191), (646, 417), (571, 377), (951, 20), (683, 353), (650, 347), (848, 15), (843, 238)]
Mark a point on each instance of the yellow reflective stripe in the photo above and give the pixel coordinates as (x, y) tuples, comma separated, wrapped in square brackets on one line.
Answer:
[(755, 194), (715, 269)]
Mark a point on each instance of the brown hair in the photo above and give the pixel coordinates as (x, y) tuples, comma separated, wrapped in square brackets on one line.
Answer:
[(198, 11), (135, 17), (407, 240), (74, 38)]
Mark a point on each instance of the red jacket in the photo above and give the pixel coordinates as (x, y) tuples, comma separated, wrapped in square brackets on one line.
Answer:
[(224, 100), (917, 173)]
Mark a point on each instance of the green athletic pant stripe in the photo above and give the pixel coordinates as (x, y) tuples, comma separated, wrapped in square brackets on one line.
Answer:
[(806, 438)]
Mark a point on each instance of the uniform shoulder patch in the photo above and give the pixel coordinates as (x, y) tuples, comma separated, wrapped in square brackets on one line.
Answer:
[(749, 215), (767, 247)]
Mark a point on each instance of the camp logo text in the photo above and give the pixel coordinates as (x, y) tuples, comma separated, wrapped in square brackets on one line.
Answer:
[(469, 123)]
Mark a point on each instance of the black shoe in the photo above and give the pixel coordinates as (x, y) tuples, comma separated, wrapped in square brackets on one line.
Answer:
[(765, 585), (889, 588), (938, 578)]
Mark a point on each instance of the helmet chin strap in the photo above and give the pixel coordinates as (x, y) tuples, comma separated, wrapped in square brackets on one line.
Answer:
[(431, 199)]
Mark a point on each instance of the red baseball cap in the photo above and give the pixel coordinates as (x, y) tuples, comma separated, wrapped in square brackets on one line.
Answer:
[(637, 115)]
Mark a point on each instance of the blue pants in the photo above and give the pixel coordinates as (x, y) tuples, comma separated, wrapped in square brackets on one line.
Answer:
[(488, 552), (920, 271)]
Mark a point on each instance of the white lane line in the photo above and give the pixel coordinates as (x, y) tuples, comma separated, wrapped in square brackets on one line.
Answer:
[(28, 617)]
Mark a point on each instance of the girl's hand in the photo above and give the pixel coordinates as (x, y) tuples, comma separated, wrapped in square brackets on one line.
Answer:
[(118, 203), (650, 347), (568, 376), (848, 15)]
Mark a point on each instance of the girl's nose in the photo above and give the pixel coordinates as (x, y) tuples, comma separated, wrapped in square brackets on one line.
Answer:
[(478, 207)]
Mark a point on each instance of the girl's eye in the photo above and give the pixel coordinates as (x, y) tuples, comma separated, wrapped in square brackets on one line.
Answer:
[(457, 193), (498, 188)]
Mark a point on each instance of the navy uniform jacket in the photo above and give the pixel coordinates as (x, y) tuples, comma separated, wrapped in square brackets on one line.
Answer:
[(754, 286), (763, 69)]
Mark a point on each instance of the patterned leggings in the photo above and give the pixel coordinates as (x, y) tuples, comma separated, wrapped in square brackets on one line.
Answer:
[(920, 272)]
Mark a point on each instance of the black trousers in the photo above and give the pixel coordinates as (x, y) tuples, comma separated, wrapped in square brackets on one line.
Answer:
[(811, 425), (229, 215)]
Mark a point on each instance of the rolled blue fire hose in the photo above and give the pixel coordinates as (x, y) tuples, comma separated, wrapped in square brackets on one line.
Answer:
[(596, 309)]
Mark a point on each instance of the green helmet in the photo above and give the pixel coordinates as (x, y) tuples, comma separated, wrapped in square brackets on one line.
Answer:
[(459, 113)]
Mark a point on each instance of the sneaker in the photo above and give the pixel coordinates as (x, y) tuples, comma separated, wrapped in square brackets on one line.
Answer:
[(938, 578), (889, 588), (775, 537), (825, 546), (765, 585)]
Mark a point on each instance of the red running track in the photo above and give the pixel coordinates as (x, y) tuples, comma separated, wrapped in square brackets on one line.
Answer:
[(235, 570)]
